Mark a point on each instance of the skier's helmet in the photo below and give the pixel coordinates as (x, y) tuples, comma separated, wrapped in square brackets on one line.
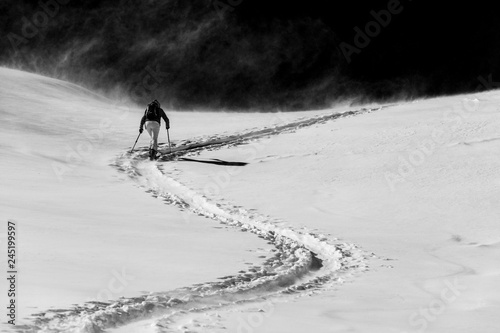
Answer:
[(156, 102)]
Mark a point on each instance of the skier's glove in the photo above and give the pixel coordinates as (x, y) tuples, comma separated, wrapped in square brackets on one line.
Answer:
[(140, 130), (167, 127)]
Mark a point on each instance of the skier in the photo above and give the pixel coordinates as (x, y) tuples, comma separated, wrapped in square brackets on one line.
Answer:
[(152, 120)]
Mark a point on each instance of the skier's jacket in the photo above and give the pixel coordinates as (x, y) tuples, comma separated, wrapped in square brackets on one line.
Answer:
[(159, 114)]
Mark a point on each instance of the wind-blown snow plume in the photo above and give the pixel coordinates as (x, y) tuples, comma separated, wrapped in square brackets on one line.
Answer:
[(240, 55)]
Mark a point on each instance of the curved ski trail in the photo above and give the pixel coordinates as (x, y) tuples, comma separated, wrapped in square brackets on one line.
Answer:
[(303, 260)]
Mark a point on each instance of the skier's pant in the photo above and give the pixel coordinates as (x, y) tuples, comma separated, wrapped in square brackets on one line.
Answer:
[(153, 128)]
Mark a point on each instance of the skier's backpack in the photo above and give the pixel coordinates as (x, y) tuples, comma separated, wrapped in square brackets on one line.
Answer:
[(152, 112)]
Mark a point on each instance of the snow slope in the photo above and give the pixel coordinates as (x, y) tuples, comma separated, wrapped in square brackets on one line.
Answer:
[(375, 219), (84, 231), (416, 184)]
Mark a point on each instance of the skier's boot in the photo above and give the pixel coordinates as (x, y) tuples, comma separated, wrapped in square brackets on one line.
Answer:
[(151, 154), (154, 154)]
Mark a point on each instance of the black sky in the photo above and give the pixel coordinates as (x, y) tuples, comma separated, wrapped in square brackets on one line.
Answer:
[(425, 36), (260, 54)]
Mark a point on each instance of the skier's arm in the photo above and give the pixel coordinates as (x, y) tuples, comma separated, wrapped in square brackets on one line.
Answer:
[(167, 121)]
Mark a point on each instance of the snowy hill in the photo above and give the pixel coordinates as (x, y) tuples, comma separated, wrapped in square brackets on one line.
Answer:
[(375, 219)]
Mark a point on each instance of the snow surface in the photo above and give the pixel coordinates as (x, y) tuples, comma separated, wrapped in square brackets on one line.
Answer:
[(359, 219)]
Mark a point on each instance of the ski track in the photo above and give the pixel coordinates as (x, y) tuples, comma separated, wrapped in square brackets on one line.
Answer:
[(303, 260)]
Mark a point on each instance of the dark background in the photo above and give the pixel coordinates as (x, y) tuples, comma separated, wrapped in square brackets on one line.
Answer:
[(255, 54)]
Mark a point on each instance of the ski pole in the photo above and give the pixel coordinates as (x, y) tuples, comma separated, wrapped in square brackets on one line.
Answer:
[(169, 146), (135, 142)]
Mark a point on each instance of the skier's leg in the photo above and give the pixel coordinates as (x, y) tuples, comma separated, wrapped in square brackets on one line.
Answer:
[(153, 129), (156, 132), (149, 127)]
